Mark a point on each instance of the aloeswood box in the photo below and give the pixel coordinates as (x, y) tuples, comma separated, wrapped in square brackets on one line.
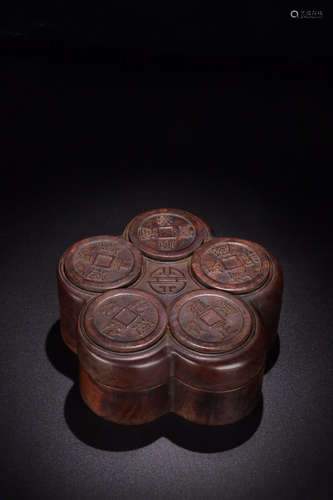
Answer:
[(88, 268), (218, 346), (246, 270), (180, 254), (123, 358), (167, 317), (206, 366)]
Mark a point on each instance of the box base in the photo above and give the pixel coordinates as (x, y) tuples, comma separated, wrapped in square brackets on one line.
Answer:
[(143, 406)]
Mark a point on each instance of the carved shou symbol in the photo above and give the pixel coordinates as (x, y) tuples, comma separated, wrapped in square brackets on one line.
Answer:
[(166, 280)]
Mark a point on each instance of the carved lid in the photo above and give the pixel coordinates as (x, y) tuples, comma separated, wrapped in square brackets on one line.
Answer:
[(231, 264), (101, 263), (211, 321), (167, 234), (125, 320)]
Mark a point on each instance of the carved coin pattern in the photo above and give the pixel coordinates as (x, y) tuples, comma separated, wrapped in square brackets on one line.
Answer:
[(167, 280), (210, 321), (231, 265), (125, 320), (102, 262), (166, 234)]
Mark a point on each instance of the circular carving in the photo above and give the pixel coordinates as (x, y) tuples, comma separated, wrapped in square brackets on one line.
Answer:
[(125, 320), (167, 280), (210, 321), (101, 263), (167, 234), (233, 265)]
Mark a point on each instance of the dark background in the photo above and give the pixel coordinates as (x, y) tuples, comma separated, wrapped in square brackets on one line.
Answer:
[(110, 111)]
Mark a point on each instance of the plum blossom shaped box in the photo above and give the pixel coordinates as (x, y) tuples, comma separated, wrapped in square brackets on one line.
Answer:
[(167, 317)]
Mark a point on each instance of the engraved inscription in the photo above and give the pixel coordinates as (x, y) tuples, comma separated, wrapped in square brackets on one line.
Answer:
[(126, 319), (103, 261), (211, 319), (232, 264), (167, 280), (166, 232)]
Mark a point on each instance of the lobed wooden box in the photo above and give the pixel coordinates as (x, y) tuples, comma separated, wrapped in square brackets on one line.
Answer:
[(167, 317)]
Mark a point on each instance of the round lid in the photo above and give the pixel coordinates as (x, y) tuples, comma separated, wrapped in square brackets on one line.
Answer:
[(167, 234), (101, 263), (210, 321), (231, 264), (125, 320)]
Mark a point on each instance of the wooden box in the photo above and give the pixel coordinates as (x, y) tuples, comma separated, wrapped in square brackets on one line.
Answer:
[(203, 358), (210, 312)]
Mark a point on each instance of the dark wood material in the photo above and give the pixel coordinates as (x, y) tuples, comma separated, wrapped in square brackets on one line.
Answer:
[(125, 320), (71, 301), (125, 407), (102, 263), (210, 321), (88, 268), (167, 234), (135, 385), (167, 280), (216, 408), (169, 318), (245, 269)]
